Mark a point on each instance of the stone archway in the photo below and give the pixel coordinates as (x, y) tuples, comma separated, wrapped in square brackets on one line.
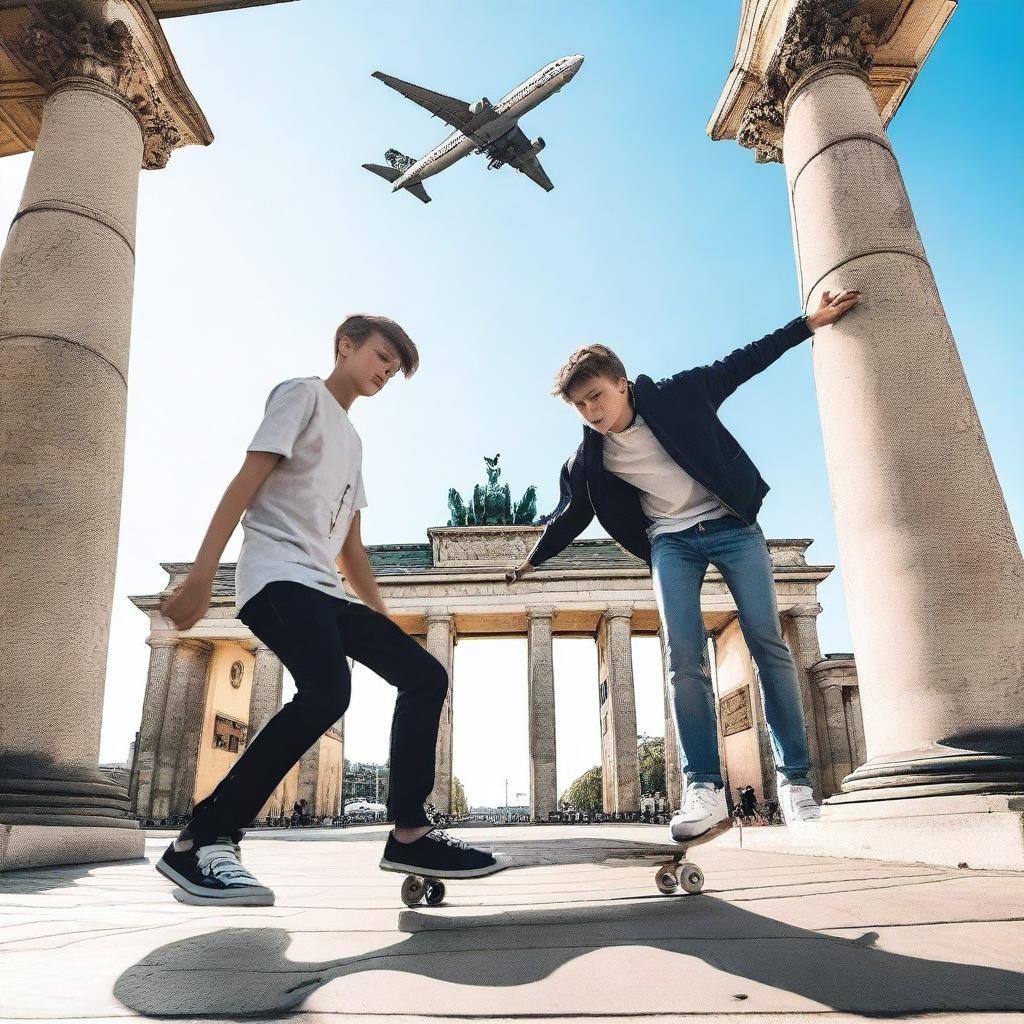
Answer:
[(454, 586)]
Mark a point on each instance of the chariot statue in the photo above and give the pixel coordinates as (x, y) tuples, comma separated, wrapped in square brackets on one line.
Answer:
[(492, 503)]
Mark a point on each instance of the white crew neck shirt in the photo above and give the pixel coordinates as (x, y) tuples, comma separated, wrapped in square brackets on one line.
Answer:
[(669, 496), (297, 522)]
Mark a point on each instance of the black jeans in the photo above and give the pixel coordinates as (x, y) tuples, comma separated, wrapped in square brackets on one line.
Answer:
[(313, 633)]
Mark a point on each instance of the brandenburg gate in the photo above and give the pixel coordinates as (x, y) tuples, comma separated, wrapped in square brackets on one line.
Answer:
[(453, 588)]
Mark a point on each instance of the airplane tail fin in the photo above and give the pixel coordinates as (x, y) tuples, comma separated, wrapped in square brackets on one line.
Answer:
[(393, 174), (399, 160)]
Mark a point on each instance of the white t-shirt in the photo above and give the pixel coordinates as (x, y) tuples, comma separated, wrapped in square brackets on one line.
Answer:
[(298, 520), (669, 496)]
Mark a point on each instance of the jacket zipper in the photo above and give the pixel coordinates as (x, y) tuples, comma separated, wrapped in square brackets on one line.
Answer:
[(719, 497)]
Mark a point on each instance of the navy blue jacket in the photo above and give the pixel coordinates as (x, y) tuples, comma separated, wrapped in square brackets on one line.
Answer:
[(682, 412)]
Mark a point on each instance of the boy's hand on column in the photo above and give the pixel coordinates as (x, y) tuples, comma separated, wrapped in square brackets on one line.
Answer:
[(186, 603), (832, 307), (518, 573)]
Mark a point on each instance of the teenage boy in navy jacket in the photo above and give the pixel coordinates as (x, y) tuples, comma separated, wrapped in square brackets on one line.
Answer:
[(671, 485)]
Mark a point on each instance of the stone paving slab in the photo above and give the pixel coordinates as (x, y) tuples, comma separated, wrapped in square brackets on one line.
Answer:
[(308, 1017), (792, 938)]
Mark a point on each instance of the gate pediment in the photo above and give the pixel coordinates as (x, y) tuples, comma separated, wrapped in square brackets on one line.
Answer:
[(492, 547)]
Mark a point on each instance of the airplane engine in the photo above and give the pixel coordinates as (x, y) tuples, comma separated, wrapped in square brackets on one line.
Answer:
[(535, 147), (480, 106)]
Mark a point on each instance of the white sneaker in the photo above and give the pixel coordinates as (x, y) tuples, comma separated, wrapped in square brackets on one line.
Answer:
[(703, 808), (798, 806)]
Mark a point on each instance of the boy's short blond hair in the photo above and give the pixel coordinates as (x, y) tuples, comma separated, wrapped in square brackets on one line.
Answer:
[(359, 326), (584, 364)]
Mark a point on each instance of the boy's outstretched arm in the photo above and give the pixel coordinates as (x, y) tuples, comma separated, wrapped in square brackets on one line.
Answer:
[(722, 377), (572, 516), (354, 564), (187, 602)]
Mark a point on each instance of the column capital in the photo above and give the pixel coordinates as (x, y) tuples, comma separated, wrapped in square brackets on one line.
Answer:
[(162, 641), (817, 34), (618, 611), (546, 611), (804, 611), (195, 643), (66, 49), (835, 670), (438, 615), (255, 647)]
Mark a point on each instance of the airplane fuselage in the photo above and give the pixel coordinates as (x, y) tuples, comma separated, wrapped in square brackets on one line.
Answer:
[(522, 99)]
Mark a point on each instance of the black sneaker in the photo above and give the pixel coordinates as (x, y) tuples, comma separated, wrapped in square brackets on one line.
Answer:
[(212, 873), (438, 855)]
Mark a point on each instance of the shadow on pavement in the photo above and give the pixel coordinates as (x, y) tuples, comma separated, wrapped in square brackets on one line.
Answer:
[(246, 971), (32, 881)]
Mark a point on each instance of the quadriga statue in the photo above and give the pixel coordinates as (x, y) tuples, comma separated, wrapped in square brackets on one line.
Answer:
[(492, 503)]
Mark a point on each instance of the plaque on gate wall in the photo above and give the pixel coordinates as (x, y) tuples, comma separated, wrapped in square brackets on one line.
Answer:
[(734, 711)]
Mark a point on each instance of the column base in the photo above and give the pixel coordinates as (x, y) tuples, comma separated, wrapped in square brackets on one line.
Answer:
[(975, 831), (36, 846), (81, 797), (940, 770)]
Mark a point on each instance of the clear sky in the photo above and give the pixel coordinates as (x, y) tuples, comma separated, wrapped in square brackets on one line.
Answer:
[(669, 247)]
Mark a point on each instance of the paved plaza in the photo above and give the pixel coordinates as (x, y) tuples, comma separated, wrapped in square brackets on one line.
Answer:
[(790, 937)]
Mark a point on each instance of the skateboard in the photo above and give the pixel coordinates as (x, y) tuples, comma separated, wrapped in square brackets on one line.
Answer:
[(674, 872)]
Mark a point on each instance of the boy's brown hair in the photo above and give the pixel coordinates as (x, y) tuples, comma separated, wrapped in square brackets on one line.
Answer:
[(359, 326), (584, 364)]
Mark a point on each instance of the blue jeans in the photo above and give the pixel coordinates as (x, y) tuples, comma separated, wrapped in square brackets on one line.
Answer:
[(679, 562)]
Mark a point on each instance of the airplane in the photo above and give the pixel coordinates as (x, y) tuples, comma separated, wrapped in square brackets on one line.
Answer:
[(480, 127)]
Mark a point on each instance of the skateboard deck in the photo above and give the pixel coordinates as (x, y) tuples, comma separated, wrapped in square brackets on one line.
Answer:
[(674, 872)]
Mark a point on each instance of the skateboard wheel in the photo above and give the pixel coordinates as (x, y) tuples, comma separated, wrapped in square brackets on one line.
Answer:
[(691, 878), (435, 893), (413, 889), (665, 879)]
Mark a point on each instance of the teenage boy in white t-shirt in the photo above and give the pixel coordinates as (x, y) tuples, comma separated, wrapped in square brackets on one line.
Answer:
[(669, 483), (301, 489)]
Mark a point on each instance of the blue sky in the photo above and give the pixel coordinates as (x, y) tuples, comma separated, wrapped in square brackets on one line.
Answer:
[(656, 241)]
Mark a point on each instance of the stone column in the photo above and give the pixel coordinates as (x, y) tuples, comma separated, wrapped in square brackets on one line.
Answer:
[(834, 677), (855, 723), (673, 772), (66, 279), (736, 674), (618, 740), (196, 696), (932, 570), (267, 686), (309, 776), (800, 631), (921, 521), (541, 689), (716, 688), (161, 656), (339, 797), (174, 763), (440, 641)]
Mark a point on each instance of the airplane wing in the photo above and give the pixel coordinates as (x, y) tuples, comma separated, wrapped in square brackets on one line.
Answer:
[(533, 170), (522, 158), (452, 111)]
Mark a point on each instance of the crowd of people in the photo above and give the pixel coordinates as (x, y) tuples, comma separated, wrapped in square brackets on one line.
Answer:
[(748, 811)]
